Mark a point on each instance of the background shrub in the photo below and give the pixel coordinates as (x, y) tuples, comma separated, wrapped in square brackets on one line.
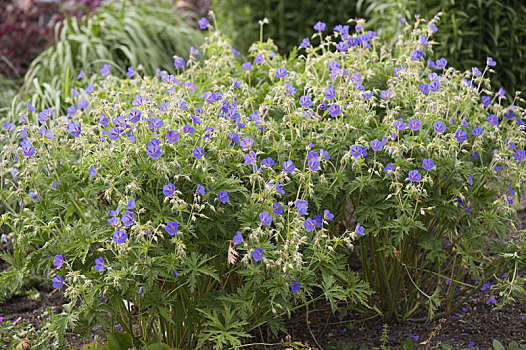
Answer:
[(121, 34), (468, 31), (289, 21)]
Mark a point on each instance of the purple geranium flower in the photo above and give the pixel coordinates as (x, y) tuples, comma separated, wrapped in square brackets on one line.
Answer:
[(58, 282), (414, 176), (288, 166), (360, 229), (257, 254), (281, 72), (265, 218), (172, 227), (198, 152), (59, 260), (74, 128), (439, 127), (222, 196), (295, 287), (238, 238), (99, 263), (428, 164), (120, 236), (127, 218), (309, 224)]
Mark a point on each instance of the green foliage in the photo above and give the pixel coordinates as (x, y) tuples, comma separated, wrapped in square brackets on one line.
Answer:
[(468, 32), (424, 241), (8, 89), (141, 34)]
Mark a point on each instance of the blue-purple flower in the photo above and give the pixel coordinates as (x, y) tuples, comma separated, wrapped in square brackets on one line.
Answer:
[(250, 158), (461, 135), (302, 206), (414, 124), (439, 127), (334, 110), (172, 227), (203, 23), (268, 162), (265, 218), (295, 287), (200, 189), (99, 263), (120, 236), (377, 145), (477, 132), (305, 101), (441, 63), (520, 155), (198, 152), (179, 62), (131, 204), (246, 66), (238, 238), (172, 136), (319, 26), (288, 166), (490, 62), (400, 125), (389, 169), (59, 260), (58, 282), (257, 254), (309, 224), (330, 93), (328, 215), (281, 72), (277, 208), (428, 164), (105, 70), (357, 151), (154, 149), (74, 128), (128, 218), (314, 164), (246, 143), (360, 229), (222, 196), (385, 94), (414, 176), (27, 147)]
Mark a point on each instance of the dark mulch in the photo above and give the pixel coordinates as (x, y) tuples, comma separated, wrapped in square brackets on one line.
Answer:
[(477, 325)]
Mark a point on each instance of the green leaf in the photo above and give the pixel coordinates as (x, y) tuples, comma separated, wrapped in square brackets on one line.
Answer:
[(119, 341)]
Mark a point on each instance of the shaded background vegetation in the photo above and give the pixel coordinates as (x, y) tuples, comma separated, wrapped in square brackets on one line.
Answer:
[(468, 31)]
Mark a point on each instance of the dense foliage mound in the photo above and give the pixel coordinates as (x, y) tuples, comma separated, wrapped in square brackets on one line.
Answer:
[(203, 205)]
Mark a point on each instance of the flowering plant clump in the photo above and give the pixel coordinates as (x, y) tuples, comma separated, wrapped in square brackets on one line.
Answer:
[(203, 205)]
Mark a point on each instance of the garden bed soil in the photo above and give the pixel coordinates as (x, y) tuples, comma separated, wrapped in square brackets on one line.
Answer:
[(478, 324)]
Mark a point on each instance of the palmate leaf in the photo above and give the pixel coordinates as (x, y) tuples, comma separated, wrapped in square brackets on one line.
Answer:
[(403, 226), (222, 329), (196, 267), (332, 290)]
